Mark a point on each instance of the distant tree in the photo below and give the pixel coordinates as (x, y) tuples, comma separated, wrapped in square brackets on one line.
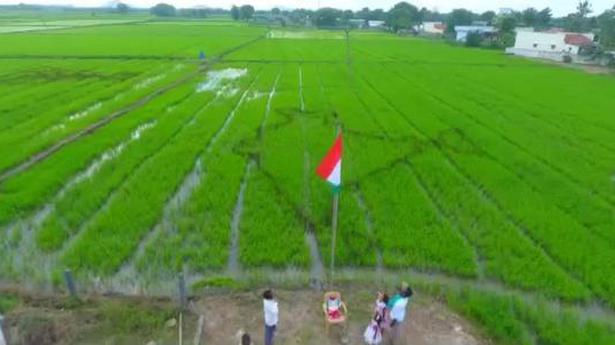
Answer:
[(459, 17), (300, 16), (579, 21), (377, 14), (246, 12), (235, 12), (432, 15), (474, 39), (346, 16), (488, 16), (163, 10), (192, 12), (276, 11), (606, 22), (403, 16), (121, 8), (529, 17), (364, 13), (543, 19), (584, 8), (507, 24), (326, 17)]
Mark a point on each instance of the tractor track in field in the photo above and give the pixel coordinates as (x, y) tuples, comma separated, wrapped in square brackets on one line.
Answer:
[(46, 153), (486, 196), (571, 179)]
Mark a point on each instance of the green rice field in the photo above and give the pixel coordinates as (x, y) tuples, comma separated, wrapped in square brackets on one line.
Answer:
[(126, 159)]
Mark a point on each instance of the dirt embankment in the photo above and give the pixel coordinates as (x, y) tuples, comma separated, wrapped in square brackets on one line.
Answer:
[(302, 322), (98, 321)]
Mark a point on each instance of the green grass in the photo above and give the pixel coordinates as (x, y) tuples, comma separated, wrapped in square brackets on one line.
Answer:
[(462, 162)]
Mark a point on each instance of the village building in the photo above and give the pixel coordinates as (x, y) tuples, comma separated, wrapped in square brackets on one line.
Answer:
[(551, 45), (431, 28), (376, 24), (486, 31)]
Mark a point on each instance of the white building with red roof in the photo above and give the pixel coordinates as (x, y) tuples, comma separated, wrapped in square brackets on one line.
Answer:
[(550, 45)]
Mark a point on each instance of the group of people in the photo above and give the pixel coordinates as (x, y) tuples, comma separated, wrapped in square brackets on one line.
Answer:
[(389, 316), (387, 321)]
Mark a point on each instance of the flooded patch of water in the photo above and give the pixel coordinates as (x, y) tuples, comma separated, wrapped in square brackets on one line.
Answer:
[(305, 35), (111, 154), (85, 113), (149, 81), (255, 95), (227, 91), (215, 79), (55, 128)]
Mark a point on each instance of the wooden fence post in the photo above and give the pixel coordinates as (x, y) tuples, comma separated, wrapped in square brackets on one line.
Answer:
[(183, 297), (70, 283)]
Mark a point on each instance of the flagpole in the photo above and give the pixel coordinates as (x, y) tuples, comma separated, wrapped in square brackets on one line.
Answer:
[(336, 202)]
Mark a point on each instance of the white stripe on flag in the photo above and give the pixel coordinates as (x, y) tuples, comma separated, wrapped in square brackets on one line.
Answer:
[(335, 178)]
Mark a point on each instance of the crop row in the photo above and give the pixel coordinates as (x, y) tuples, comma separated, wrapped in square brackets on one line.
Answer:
[(136, 207), (201, 235), (42, 126), (585, 168), (81, 202), (580, 252), (22, 193), (145, 40), (509, 256)]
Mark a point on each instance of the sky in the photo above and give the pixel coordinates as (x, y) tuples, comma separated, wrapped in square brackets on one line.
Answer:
[(559, 7)]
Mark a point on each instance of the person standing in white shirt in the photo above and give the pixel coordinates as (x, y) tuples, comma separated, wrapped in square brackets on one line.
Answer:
[(270, 308), (398, 311)]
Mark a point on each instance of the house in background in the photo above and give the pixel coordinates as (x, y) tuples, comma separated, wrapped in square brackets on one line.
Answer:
[(432, 28), (486, 31), (376, 24), (556, 46)]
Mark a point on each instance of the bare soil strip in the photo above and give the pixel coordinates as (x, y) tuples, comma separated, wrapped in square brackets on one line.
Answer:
[(302, 323), (369, 224), (233, 259)]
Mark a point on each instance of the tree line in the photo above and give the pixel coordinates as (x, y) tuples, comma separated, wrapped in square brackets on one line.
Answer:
[(406, 16)]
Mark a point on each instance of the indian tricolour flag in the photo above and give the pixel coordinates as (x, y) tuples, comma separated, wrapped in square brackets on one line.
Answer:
[(330, 169)]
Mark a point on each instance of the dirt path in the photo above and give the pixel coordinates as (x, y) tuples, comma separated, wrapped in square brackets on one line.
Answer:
[(302, 323)]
